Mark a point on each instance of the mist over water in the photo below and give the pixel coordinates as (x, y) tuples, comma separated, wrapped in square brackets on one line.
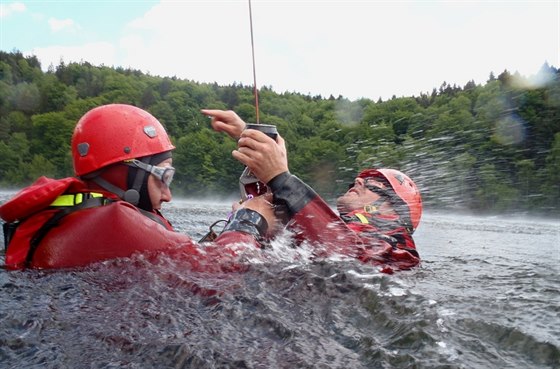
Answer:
[(486, 295)]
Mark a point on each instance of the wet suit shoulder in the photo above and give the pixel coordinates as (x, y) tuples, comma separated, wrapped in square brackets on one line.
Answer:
[(305, 212)]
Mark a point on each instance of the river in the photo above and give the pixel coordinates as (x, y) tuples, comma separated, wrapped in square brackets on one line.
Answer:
[(485, 296)]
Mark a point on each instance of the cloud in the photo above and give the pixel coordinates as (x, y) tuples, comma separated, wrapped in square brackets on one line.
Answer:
[(201, 41), (95, 53), (350, 48), (8, 9), (62, 24)]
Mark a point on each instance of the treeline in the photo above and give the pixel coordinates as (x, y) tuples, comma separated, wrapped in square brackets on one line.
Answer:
[(493, 147)]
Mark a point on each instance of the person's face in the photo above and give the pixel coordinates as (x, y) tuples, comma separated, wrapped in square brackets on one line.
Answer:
[(358, 196), (159, 192)]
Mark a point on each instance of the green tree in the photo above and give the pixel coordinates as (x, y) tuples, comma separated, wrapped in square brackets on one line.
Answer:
[(40, 166), (51, 139), (54, 94), (488, 147), (494, 193), (204, 164), (26, 97), (14, 153), (318, 161), (550, 179)]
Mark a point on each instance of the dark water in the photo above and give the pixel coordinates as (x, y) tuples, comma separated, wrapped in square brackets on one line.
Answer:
[(486, 296)]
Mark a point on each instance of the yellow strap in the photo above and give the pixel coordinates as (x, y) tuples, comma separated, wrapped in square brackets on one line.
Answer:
[(73, 199), (362, 218)]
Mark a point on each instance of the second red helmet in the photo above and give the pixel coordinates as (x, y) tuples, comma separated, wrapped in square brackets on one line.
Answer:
[(403, 187)]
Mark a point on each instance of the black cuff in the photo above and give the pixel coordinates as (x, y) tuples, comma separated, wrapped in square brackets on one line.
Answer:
[(277, 182), (290, 195), (247, 221)]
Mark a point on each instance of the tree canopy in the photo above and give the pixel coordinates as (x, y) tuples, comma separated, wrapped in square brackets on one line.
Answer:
[(493, 147)]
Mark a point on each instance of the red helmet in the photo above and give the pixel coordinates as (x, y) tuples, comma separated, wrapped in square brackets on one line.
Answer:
[(403, 190), (112, 133)]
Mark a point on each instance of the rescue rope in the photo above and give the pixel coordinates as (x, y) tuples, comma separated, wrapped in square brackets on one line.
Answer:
[(254, 68)]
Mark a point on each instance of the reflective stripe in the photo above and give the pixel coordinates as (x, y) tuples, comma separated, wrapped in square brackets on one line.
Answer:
[(362, 218), (74, 199)]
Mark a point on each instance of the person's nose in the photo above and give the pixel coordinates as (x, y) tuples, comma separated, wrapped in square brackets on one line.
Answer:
[(166, 194)]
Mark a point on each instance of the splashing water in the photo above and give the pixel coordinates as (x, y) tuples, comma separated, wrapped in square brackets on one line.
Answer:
[(485, 296)]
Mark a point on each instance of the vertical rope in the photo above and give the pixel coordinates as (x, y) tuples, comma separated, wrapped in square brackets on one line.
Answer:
[(254, 68)]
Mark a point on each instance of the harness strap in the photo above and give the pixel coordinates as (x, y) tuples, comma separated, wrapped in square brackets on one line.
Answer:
[(55, 219), (68, 204)]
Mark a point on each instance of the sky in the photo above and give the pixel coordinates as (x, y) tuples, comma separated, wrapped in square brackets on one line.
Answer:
[(357, 49)]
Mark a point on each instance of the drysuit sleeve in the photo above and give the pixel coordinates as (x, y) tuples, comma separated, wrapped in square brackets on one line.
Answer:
[(306, 213)]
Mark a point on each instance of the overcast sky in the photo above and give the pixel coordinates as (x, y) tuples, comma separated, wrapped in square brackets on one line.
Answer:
[(355, 49)]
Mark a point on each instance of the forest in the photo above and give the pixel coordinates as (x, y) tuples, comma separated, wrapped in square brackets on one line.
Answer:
[(491, 148)]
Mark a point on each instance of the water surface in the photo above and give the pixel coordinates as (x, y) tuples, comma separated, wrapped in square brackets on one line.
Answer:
[(485, 296)]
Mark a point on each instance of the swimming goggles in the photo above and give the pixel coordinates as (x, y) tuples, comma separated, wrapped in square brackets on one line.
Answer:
[(164, 174)]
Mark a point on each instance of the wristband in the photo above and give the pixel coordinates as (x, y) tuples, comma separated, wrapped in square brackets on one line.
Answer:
[(247, 221)]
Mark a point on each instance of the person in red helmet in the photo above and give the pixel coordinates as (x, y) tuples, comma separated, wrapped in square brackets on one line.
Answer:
[(122, 159), (377, 214), (384, 201)]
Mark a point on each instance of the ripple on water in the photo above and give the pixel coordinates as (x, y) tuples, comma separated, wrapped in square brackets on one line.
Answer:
[(483, 297)]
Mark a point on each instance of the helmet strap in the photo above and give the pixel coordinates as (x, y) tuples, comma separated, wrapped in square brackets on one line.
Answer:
[(108, 186), (132, 195)]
